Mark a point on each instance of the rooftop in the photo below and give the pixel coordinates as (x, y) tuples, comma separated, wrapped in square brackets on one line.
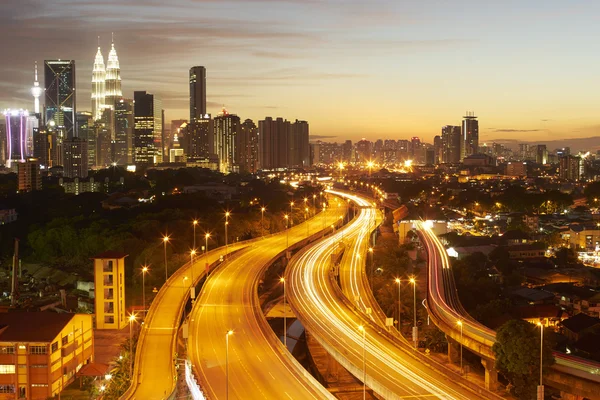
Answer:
[(32, 326), (111, 254), (580, 322)]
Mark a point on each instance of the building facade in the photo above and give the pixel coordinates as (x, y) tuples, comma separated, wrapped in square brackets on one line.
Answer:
[(109, 284), (470, 135), (248, 147), (29, 175), (60, 97), (197, 93), (123, 143), (451, 144), (76, 158), (147, 128), (226, 128)]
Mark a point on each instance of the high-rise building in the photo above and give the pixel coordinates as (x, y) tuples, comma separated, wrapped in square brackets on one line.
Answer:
[(541, 154), (36, 91), (123, 146), (147, 128), (451, 144), (569, 168), (363, 150), (104, 142), (226, 128), (75, 158), (198, 137), (29, 175), (470, 138), (347, 151), (299, 150), (197, 93), (60, 97), (86, 130), (44, 146), (273, 143), (437, 149), (112, 84), (176, 130), (98, 86), (18, 136), (248, 147), (3, 156)]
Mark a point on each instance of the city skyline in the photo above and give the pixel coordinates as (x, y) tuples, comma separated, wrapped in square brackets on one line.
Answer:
[(406, 72)]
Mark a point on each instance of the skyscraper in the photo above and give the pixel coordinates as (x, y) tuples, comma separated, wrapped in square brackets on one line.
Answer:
[(147, 128), (569, 168), (60, 97), (98, 86), (75, 158), (197, 93), (112, 84), (451, 144), (123, 132), (36, 91), (470, 138), (248, 147), (199, 138), (86, 130), (17, 136), (299, 150), (226, 129)]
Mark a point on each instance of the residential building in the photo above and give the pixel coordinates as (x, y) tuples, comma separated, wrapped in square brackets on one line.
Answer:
[(7, 215), (541, 154), (198, 137), (40, 352), (274, 135), (470, 135), (109, 284), (451, 144), (77, 186), (515, 168), (569, 168), (298, 151), (248, 147), (29, 175), (226, 128)]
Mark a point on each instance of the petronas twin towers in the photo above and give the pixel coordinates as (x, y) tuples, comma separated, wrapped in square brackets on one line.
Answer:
[(106, 83)]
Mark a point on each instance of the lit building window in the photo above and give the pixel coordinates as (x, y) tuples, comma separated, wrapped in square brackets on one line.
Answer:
[(7, 369)]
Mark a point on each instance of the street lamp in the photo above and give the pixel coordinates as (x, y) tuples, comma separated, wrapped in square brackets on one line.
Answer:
[(194, 223), (262, 218), (399, 282), (314, 208), (145, 269), (206, 237), (282, 280), (415, 329), (192, 288), (371, 265), (292, 213), (287, 231), (370, 165), (165, 241), (132, 318), (229, 333), (305, 219), (540, 388), (364, 333), (227, 214), (459, 323)]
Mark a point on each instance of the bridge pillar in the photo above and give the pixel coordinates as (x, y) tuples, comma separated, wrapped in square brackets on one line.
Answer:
[(453, 351), (491, 374), (333, 370)]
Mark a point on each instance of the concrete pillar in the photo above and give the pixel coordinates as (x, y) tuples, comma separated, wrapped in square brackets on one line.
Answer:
[(491, 375), (453, 351)]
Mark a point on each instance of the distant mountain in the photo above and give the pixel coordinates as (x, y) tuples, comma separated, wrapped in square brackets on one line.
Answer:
[(576, 144)]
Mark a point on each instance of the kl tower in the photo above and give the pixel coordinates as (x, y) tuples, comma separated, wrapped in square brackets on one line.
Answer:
[(36, 91)]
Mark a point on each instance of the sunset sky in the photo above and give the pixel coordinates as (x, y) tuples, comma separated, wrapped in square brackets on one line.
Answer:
[(376, 69)]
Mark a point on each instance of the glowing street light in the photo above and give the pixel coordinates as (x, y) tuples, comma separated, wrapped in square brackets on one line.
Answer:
[(145, 270), (287, 231), (262, 218), (282, 280), (415, 329), (459, 323), (292, 213), (227, 214), (206, 237), (370, 165), (399, 282), (165, 241), (194, 223), (132, 318), (229, 333), (193, 288)]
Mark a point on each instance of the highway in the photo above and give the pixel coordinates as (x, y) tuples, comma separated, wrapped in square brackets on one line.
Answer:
[(444, 305), (154, 371), (344, 331), (256, 362)]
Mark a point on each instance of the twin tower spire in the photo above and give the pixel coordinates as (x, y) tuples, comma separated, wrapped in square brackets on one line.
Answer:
[(106, 82)]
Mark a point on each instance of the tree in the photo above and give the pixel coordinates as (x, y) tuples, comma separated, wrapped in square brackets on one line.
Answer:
[(517, 351)]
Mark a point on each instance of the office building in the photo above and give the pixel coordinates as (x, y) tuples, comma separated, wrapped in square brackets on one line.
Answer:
[(98, 86), (569, 168), (112, 83), (40, 352), (198, 137), (541, 154), (104, 142), (273, 143), (29, 175), (44, 143), (197, 93), (123, 142), (87, 130), (147, 128), (248, 147), (60, 97), (109, 287), (75, 158), (470, 135), (226, 128), (451, 144)]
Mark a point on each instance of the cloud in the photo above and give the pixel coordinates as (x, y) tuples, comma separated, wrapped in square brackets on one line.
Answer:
[(518, 130), (319, 137)]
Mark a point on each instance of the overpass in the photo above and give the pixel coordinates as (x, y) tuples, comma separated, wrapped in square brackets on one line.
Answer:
[(570, 374)]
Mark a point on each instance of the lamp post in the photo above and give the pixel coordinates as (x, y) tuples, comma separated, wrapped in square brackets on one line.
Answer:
[(194, 223), (371, 265), (305, 219), (227, 214), (399, 282), (314, 208), (292, 213), (145, 269), (370, 165), (192, 287), (229, 333), (415, 332), (287, 231), (262, 218), (206, 237), (540, 388), (185, 278), (165, 241), (282, 280), (459, 323), (364, 333), (132, 318)]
